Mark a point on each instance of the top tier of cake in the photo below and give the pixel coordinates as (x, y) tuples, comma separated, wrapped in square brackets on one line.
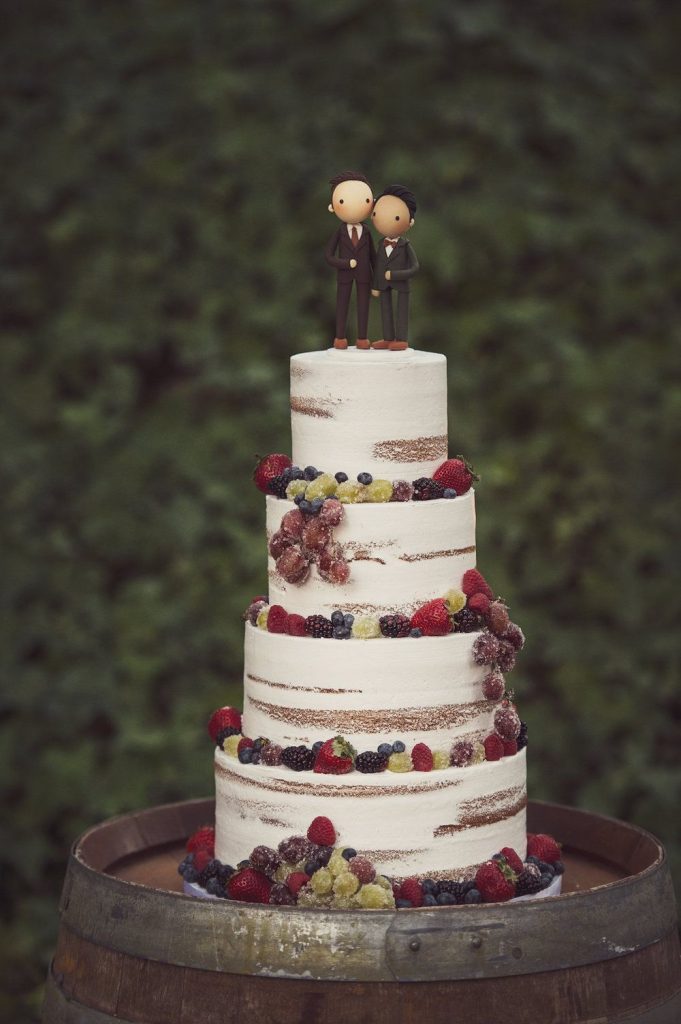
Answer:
[(364, 411)]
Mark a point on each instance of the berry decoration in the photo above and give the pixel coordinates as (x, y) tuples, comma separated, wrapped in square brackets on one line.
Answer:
[(335, 757), (299, 759), (223, 718), (249, 886), (479, 603), (370, 762), (265, 859), (497, 618), (475, 583), (422, 760), (321, 832), (426, 489), (402, 490), (395, 625), (277, 620), (543, 847), (202, 839), (493, 686), (506, 721), (268, 469), (432, 618), (485, 649), (495, 882), (462, 754), (457, 474), (411, 890), (318, 626), (494, 747)]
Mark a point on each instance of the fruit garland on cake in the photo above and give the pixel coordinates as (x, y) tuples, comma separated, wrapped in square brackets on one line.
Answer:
[(313, 871)]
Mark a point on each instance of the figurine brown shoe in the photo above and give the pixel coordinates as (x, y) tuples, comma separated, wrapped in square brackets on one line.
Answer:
[(398, 346), (363, 343), (380, 344), (340, 342)]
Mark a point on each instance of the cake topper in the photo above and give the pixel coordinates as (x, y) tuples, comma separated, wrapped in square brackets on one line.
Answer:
[(351, 252), (395, 262)]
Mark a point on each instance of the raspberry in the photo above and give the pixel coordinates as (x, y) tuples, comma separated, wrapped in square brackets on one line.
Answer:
[(411, 890), (529, 880), (543, 847), (455, 473), (316, 535), (512, 859), (485, 649), (494, 747), (299, 759), (268, 469), (318, 626), (492, 884), (244, 741), (506, 656), (426, 489), (506, 721), (432, 619), (223, 718), (395, 625), (510, 748), (479, 603), (321, 832), (322, 882), (279, 543), (455, 601), (379, 491), (467, 621), (294, 849), (293, 566), (493, 686), (402, 490), (370, 762), (363, 869), (265, 859), (281, 896), (462, 754), (277, 620), (497, 617), (399, 762), (346, 884), (292, 524), (296, 624), (514, 636), (271, 755), (202, 839), (422, 759), (475, 583), (249, 886), (296, 880), (366, 627)]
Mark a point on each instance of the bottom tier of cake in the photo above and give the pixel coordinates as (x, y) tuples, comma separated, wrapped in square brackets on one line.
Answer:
[(435, 824)]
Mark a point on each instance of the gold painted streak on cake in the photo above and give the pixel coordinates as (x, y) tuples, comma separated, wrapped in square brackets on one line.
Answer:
[(450, 553), (415, 449), (312, 788), (378, 721), (311, 407), (489, 817), (291, 686)]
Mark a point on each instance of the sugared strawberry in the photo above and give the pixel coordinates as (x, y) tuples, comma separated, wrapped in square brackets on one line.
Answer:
[(223, 718), (249, 886), (494, 747), (203, 839), (493, 884), (510, 747), (475, 583), (543, 847), (335, 757), (322, 832), (244, 742), (422, 758), (202, 858), (267, 469), (506, 721), (433, 618), (293, 566), (296, 624), (277, 620), (479, 603), (292, 524), (455, 473), (411, 890), (512, 859), (296, 880)]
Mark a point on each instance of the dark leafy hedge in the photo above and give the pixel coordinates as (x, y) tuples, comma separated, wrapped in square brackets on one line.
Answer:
[(164, 220)]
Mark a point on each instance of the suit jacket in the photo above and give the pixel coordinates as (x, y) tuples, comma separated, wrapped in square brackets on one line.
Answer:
[(402, 264), (341, 244)]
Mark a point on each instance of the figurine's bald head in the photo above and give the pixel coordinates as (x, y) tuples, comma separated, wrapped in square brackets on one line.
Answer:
[(352, 198)]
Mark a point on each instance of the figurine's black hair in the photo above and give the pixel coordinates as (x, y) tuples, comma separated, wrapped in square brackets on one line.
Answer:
[(347, 176), (403, 193)]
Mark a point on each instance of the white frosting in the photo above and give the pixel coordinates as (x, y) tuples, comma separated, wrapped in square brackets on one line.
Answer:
[(401, 555), (364, 690), (352, 410), (405, 833)]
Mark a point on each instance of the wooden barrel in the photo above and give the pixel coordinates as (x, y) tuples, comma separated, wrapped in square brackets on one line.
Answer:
[(132, 949)]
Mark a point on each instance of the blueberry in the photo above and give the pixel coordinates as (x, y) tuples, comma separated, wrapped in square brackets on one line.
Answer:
[(416, 632), (398, 747), (246, 755), (225, 872), (558, 867), (317, 504), (532, 860), (324, 855), (296, 473), (310, 473), (337, 618), (311, 866), (259, 743), (299, 498), (445, 899), (467, 886), (403, 904), (257, 757), (349, 853), (243, 864), (546, 880), (429, 900), (348, 620), (546, 869), (342, 633), (429, 885), (449, 492), (317, 746), (497, 856), (385, 748), (191, 874), (286, 475), (305, 505), (211, 869), (472, 896), (364, 478), (214, 887), (182, 867), (341, 477)]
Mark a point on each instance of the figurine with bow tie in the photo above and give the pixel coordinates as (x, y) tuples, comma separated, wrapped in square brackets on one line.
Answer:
[(351, 252), (395, 263)]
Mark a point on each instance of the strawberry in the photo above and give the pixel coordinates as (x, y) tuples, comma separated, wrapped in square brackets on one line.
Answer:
[(411, 890), (245, 741), (494, 882), (494, 747), (296, 624), (296, 880), (267, 468), (432, 619), (277, 620), (322, 832), (456, 473), (479, 603), (249, 886), (510, 747), (202, 857), (422, 759), (543, 847), (203, 839), (223, 718), (475, 583), (335, 757), (512, 859)]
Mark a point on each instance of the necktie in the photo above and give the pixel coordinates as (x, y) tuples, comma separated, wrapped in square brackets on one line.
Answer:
[(354, 237)]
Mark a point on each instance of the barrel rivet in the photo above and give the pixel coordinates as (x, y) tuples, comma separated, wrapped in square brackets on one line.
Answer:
[(415, 945), (476, 942)]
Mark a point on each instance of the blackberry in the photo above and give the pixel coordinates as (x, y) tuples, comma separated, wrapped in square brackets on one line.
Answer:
[(214, 887), (210, 871), (225, 733), (529, 880), (318, 626), (467, 621), (395, 625), (271, 754), (429, 885), (299, 759), (295, 848), (225, 872), (522, 735), (455, 889), (370, 762), (426, 489), (265, 859), (278, 484), (281, 896)]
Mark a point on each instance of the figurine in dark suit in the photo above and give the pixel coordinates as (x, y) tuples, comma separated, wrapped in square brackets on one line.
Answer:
[(395, 263), (351, 252)]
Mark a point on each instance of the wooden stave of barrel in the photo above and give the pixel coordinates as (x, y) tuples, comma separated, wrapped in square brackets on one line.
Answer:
[(128, 952)]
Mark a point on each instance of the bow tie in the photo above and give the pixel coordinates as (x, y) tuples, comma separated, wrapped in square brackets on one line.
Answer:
[(390, 242)]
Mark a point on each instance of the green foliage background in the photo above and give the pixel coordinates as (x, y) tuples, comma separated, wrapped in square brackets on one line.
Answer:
[(164, 218)]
